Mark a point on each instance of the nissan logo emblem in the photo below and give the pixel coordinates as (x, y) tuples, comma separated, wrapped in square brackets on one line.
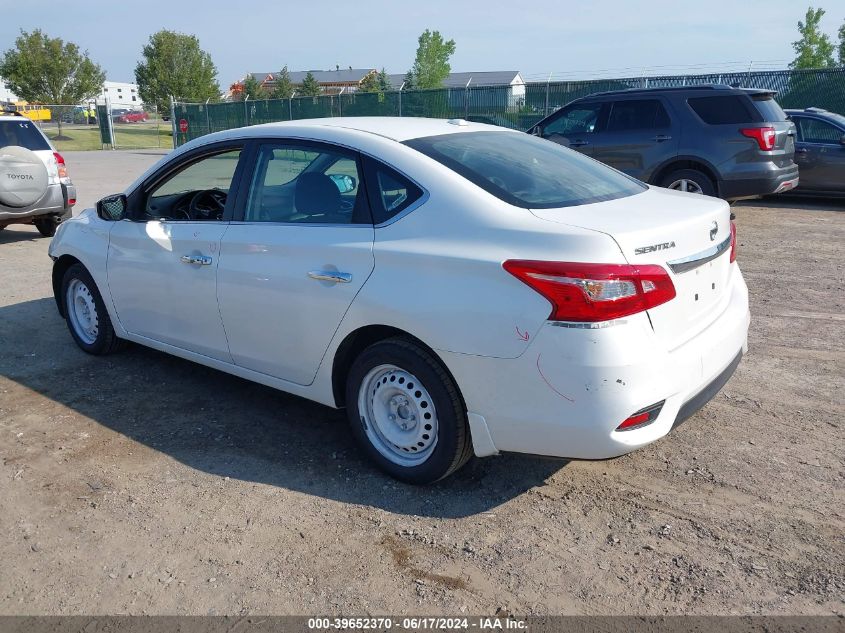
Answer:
[(714, 229)]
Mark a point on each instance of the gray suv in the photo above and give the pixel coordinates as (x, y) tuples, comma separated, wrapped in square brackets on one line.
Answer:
[(34, 183), (716, 140)]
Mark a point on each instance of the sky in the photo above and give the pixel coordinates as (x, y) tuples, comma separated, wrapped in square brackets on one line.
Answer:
[(564, 39)]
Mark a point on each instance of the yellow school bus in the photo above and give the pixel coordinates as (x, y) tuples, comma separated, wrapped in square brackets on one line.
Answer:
[(33, 111)]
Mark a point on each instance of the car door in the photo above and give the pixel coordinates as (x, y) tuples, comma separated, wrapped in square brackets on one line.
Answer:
[(162, 263), (819, 154), (575, 126), (639, 135), (298, 251)]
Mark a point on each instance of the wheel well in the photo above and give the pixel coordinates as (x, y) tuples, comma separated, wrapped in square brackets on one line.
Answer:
[(60, 267), (686, 164), (356, 342)]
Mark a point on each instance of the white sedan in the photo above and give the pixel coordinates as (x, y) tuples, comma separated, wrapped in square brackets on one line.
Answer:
[(457, 287)]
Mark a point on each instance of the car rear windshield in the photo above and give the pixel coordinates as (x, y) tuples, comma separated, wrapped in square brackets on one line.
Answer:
[(22, 133), (768, 108), (526, 171)]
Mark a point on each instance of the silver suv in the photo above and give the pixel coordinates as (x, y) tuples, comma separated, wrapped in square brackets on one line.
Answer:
[(34, 183)]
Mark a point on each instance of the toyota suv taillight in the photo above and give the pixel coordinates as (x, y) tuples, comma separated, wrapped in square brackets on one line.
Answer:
[(60, 165), (594, 292)]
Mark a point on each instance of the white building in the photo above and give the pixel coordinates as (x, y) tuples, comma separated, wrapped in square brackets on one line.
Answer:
[(5, 93), (120, 95)]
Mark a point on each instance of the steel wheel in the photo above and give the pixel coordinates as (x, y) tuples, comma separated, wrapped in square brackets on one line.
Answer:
[(684, 184), (82, 311), (398, 415)]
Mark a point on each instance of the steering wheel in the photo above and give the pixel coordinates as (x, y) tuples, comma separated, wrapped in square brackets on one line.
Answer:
[(207, 204)]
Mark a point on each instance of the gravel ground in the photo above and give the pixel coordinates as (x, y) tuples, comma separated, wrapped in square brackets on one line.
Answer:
[(140, 483)]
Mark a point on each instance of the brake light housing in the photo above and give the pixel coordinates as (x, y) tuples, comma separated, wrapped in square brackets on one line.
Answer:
[(60, 164), (591, 293), (765, 136), (642, 418)]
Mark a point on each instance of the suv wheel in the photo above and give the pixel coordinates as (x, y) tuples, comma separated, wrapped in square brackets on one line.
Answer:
[(47, 226), (406, 412), (689, 180)]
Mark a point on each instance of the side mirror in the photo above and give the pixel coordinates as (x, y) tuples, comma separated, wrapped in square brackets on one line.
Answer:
[(842, 140), (536, 131), (112, 208), (344, 183)]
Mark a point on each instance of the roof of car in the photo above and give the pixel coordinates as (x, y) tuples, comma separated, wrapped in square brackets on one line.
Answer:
[(395, 128), (702, 88)]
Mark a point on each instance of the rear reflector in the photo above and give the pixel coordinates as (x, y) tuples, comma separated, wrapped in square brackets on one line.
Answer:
[(594, 292), (765, 136), (733, 241), (642, 417)]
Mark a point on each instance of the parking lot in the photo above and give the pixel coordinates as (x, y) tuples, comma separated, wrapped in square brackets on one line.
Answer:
[(141, 483)]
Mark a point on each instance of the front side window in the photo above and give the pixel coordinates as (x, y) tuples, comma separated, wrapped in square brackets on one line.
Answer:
[(815, 131), (579, 119), (639, 114), (526, 171), (197, 192), (305, 185)]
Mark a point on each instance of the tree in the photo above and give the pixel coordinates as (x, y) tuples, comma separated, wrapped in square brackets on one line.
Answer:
[(310, 87), (175, 65), (408, 83), (814, 49), (842, 45), (431, 65), (48, 70), (369, 83), (284, 86), (252, 88), (384, 81)]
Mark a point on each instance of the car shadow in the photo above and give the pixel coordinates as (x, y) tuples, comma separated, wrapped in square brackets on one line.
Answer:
[(808, 203), (10, 235), (230, 427)]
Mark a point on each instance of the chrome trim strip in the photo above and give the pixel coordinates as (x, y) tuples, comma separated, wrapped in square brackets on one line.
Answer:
[(699, 259), (588, 325)]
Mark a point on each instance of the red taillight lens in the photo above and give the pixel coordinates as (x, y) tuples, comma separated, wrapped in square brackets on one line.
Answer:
[(642, 417), (733, 241), (60, 164), (594, 292), (765, 136)]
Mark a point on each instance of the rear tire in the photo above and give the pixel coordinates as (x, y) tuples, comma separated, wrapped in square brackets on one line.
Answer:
[(406, 412), (47, 226), (86, 314), (690, 180)]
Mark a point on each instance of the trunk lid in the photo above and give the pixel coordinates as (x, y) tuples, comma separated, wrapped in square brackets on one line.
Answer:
[(686, 234)]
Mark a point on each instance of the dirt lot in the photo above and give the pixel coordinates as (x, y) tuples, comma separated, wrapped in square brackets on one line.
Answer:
[(143, 484)]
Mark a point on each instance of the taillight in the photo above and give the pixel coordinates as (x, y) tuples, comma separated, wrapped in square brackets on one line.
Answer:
[(60, 163), (733, 241), (765, 136), (594, 292)]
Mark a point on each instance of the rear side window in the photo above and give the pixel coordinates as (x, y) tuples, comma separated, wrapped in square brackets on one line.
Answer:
[(640, 114), (723, 109), (768, 108), (22, 133), (390, 192), (526, 171)]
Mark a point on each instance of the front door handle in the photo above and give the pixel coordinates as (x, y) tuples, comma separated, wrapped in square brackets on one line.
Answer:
[(801, 150), (662, 137), (330, 275), (200, 260), (578, 143)]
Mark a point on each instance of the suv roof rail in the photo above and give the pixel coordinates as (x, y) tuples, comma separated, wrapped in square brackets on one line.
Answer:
[(815, 110), (666, 89)]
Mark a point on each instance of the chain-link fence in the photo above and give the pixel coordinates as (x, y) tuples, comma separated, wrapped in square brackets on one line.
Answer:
[(89, 127), (513, 106)]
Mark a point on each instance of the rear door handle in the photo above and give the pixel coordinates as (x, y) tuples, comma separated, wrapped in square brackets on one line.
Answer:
[(801, 150), (199, 260), (330, 275), (662, 137), (578, 143)]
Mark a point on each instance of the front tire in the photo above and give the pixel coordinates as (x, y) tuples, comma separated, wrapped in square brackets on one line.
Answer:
[(86, 314), (689, 180), (406, 412)]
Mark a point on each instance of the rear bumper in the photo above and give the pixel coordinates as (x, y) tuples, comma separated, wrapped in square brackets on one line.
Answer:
[(570, 390), (56, 201), (777, 181)]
